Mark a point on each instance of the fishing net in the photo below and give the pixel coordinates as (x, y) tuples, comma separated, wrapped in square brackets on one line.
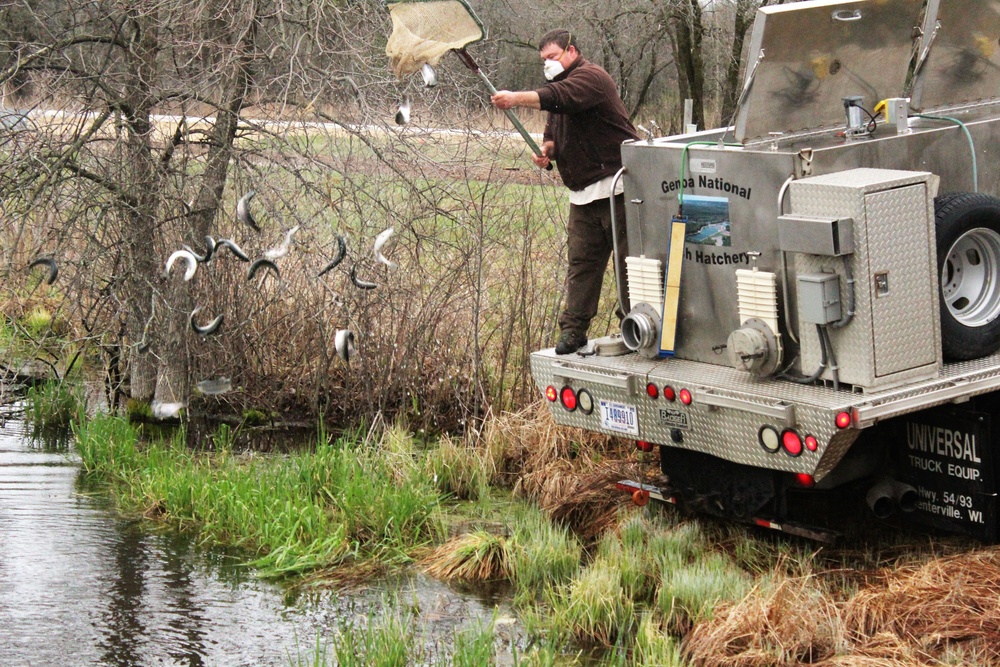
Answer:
[(424, 30)]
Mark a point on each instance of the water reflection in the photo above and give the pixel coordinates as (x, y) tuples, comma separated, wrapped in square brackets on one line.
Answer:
[(80, 586)]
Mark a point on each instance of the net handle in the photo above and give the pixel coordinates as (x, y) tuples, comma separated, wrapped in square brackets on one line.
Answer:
[(468, 61)]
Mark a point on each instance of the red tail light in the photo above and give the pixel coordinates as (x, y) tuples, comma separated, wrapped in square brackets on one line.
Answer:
[(812, 444), (792, 443), (551, 393), (843, 419), (643, 446), (652, 390), (669, 393), (685, 397), (805, 479), (568, 398)]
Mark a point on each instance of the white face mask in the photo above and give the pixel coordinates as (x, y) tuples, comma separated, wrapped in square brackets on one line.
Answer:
[(552, 69)]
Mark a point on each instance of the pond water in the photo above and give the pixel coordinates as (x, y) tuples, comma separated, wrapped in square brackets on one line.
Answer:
[(80, 586)]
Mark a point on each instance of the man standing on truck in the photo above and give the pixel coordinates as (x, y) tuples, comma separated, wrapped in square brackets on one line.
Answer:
[(586, 126)]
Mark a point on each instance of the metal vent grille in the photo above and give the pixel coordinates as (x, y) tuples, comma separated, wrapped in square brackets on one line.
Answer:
[(645, 282), (757, 296)]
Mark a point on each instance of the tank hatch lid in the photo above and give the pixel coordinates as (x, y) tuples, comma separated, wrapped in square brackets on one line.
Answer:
[(959, 56), (810, 55)]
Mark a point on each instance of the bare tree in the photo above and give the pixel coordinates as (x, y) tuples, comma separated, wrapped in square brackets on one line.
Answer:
[(137, 125)]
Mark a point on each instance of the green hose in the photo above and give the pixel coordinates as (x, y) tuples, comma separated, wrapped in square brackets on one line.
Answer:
[(680, 193), (972, 146)]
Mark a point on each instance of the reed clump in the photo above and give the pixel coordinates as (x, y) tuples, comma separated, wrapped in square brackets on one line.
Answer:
[(478, 556), (543, 553), (392, 637), (458, 470), (51, 407), (945, 602)]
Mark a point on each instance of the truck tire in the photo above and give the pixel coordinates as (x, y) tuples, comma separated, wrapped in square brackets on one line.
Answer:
[(968, 253)]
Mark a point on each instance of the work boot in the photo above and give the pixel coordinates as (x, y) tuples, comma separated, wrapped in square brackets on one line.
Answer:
[(570, 341)]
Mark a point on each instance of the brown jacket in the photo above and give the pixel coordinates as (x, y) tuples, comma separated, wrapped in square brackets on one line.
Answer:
[(588, 123)]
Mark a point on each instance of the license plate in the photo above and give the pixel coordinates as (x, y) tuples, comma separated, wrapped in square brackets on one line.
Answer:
[(619, 417)]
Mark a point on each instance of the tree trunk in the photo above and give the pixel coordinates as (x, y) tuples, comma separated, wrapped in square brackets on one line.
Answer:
[(140, 179), (173, 380), (690, 68), (745, 11)]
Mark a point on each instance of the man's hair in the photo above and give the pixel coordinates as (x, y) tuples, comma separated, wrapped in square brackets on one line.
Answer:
[(564, 38)]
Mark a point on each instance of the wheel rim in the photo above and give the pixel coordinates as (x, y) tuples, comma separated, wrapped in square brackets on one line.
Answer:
[(969, 278)]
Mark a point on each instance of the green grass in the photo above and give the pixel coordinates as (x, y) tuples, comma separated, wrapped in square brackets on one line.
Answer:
[(387, 642), (342, 500), (51, 407), (393, 638), (542, 553), (594, 606), (457, 470), (689, 594), (372, 499)]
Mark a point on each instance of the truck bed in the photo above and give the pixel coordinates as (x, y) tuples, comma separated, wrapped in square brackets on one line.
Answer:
[(729, 407)]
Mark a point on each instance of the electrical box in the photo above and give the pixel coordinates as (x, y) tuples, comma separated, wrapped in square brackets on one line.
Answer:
[(819, 298)]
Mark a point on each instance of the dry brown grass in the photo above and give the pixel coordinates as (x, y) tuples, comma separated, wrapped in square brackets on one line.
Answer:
[(570, 473), (783, 624), (945, 611), (475, 556), (945, 601)]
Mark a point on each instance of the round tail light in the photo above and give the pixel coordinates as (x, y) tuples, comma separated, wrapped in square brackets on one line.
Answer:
[(769, 439), (568, 398), (551, 393), (843, 419), (685, 396), (792, 443), (669, 393), (652, 390)]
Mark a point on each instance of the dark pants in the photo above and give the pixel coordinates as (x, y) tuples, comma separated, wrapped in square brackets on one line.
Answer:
[(590, 245)]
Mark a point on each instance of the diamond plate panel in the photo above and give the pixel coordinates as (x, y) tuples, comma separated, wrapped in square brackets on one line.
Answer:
[(731, 433), (900, 251), (894, 237)]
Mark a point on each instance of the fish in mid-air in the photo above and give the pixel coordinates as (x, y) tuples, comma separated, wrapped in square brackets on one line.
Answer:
[(162, 410), (379, 242), (403, 113), (243, 213), (209, 328), (262, 263), (215, 386), (235, 249), (286, 244), (343, 341), (358, 282), (338, 258), (430, 76), (187, 256), (209, 249), (49, 262)]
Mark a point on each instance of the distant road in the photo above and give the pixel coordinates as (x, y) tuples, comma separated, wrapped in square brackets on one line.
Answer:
[(165, 124)]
